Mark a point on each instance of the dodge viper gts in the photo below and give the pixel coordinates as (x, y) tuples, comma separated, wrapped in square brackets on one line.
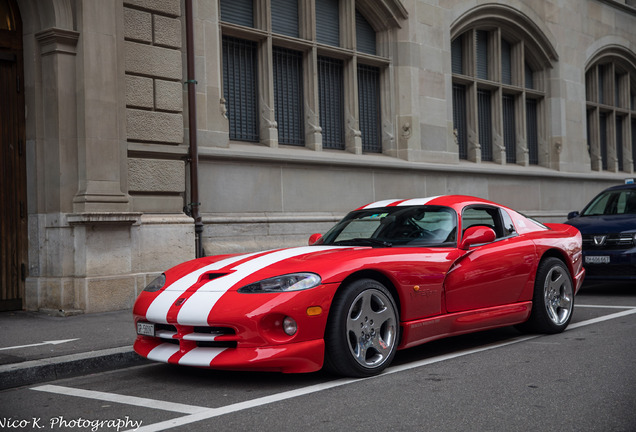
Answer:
[(390, 275)]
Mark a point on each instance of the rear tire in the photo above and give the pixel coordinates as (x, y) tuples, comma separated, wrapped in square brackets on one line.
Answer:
[(553, 298), (363, 329)]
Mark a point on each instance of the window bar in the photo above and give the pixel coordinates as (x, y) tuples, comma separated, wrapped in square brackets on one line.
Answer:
[(485, 124), (509, 127)]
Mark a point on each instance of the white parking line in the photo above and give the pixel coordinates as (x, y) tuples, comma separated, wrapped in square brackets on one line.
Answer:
[(197, 413), (128, 400)]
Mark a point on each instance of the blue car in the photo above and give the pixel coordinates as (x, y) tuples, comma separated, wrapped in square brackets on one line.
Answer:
[(608, 226)]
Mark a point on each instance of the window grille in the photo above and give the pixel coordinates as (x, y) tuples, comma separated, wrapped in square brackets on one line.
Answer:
[(601, 84), (330, 96), (634, 142), (238, 12), (529, 76), (482, 54), (365, 35), (603, 138), (369, 107), (457, 59), (619, 142), (503, 95), (509, 128), (610, 99), (328, 22), (239, 88), (285, 17), (248, 51), (506, 62), (459, 118), (288, 96), (484, 112), (532, 134), (617, 99)]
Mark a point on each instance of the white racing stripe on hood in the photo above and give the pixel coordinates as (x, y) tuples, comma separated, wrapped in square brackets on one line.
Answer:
[(158, 309), (196, 309)]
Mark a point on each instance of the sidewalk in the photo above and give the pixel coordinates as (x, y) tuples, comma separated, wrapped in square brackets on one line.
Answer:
[(37, 347)]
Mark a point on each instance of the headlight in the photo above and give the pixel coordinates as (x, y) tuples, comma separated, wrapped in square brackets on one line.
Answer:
[(156, 284), (290, 282)]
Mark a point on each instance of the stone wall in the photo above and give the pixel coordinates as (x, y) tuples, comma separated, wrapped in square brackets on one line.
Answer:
[(154, 105)]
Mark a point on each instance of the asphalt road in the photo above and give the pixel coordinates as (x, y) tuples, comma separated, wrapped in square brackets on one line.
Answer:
[(581, 380)]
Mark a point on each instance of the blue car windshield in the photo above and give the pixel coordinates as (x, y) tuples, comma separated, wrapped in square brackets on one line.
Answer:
[(396, 226), (613, 202)]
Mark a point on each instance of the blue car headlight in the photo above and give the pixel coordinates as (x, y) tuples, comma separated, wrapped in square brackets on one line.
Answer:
[(284, 283), (156, 284)]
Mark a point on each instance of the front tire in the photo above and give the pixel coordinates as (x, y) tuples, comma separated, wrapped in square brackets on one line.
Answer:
[(362, 333), (553, 299)]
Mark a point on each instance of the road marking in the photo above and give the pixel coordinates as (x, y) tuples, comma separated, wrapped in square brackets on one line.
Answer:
[(629, 311), (197, 413), (603, 306), (128, 400), (54, 342)]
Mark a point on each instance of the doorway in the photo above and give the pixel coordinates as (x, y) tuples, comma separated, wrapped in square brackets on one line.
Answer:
[(13, 217)]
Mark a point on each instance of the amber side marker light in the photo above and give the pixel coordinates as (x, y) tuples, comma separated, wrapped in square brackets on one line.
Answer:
[(314, 310)]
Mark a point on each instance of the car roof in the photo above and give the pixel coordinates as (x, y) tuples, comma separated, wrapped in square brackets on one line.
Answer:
[(441, 200), (623, 186)]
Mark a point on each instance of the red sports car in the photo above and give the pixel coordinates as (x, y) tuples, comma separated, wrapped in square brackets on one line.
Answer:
[(391, 275)]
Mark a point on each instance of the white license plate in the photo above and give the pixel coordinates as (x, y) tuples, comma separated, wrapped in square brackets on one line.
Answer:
[(597, 259), (146, 329)]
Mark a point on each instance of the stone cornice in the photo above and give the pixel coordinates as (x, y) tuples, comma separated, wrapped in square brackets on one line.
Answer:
[(57, 41), (103, 218), (306, 157)]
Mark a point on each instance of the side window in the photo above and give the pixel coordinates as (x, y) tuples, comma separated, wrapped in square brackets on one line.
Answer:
[(508, 226), (491, 217), (478, 216)]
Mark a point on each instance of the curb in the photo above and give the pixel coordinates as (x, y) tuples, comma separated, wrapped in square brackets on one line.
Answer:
[(54, 368)]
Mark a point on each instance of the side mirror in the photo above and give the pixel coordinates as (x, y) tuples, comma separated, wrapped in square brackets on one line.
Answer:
[(476, 235), (573, 214), (314, 238)]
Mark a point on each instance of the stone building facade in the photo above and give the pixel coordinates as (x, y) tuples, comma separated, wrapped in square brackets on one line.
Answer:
[(300, 117)]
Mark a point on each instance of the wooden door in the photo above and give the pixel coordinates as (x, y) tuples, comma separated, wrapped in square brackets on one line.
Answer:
[(13, 210)]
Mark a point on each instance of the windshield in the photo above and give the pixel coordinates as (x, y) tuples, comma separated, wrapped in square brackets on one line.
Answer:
[(613, 202), (396, 226)]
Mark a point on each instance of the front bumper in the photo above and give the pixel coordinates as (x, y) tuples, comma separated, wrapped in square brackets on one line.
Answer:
[(298, 357), (610, 264), (240, 332)]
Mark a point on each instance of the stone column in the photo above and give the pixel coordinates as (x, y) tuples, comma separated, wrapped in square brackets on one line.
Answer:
[(101, 146)]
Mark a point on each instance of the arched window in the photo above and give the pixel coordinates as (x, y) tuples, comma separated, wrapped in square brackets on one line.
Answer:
[(306, 73), (610, 87), (499, 67)]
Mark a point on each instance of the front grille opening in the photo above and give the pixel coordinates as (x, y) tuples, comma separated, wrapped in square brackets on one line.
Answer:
[(228, 344), (217, 331), (608, 241), (165, 327)]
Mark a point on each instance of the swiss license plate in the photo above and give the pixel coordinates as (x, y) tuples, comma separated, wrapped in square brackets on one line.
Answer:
[(597, 259), (146, 329)]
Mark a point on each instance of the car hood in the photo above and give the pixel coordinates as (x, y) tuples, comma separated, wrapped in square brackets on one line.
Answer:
[(604, 223), (230, 272), (193, 288)]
